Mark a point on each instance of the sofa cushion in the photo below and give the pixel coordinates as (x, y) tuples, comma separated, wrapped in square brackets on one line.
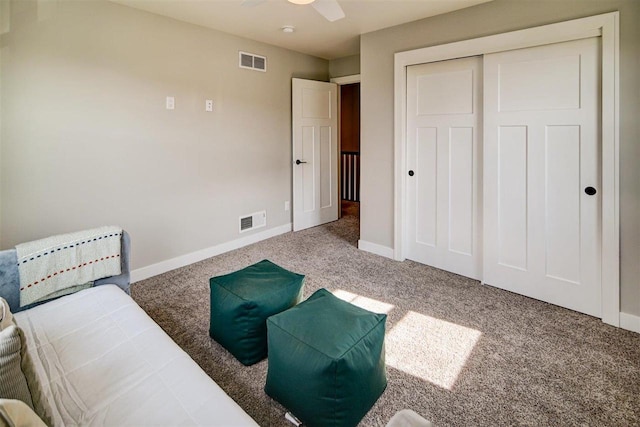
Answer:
[(104, 361)]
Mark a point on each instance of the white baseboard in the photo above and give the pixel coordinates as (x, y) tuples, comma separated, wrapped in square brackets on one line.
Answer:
[(630, 322), (627, 321), (173, 263), (375, 248)]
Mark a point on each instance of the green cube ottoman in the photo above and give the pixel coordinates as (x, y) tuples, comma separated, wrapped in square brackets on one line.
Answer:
[(242, 301), (326, 360)]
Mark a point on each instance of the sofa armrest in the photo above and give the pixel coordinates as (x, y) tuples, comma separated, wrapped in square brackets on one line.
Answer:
[(123, 280), (10, 278)]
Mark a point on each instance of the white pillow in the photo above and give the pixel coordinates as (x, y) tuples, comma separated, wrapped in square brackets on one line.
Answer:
[(408, 418), (18, 379), (13, 383), (16, 413), (6, 318)]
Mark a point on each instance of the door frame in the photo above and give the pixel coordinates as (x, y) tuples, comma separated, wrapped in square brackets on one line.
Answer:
[(345, 80), (605, 26)]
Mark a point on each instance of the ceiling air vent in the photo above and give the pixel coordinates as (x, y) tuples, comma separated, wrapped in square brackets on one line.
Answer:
[(252, 61), (253, 221)]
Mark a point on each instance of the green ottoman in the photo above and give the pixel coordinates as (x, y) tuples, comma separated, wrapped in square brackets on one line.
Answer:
[(241, 303), (326, 360)]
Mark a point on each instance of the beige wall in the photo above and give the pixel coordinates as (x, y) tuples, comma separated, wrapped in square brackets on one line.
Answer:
[(499, 16), (346, 66), (87, 141)]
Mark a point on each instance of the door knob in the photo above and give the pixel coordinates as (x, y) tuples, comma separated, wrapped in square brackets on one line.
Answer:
[(410, 173), (298, 162), (590, 191)]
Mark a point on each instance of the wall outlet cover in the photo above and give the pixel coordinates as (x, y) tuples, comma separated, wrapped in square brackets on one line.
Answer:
[(171, 103)]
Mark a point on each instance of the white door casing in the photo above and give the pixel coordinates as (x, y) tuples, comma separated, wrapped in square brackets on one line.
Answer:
[(541, 151), (315, 153), (444, 219)]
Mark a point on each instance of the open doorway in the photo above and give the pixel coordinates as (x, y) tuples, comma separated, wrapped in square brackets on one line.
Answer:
[(349, 130)]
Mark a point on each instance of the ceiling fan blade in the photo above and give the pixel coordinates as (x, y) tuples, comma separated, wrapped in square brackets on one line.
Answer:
[(252, 3), (330, 9)]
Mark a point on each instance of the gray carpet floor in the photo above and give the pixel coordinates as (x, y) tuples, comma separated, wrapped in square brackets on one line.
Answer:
[(458, 353)]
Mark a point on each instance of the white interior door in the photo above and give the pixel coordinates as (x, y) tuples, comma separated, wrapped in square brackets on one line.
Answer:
[(542, 223), (444, 218), (315, 153)]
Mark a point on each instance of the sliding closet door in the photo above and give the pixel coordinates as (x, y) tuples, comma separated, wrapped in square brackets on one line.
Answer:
[(542, 173), (443, 165)]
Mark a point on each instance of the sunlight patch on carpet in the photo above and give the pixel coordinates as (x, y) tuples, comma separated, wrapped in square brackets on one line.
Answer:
[(364, 302), (431, 349)]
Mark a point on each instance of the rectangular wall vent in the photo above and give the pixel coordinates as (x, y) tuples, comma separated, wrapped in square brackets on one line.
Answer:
[(246, 223), (253, 221), (252, 61)]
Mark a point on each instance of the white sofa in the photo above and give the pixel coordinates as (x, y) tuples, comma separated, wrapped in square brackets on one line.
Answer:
[(101, 360)]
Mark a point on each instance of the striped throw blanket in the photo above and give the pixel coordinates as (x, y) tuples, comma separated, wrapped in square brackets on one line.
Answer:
[(59, 265)]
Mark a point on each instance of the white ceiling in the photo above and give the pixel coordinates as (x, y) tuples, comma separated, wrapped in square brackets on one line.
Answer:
[(314, 35)]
